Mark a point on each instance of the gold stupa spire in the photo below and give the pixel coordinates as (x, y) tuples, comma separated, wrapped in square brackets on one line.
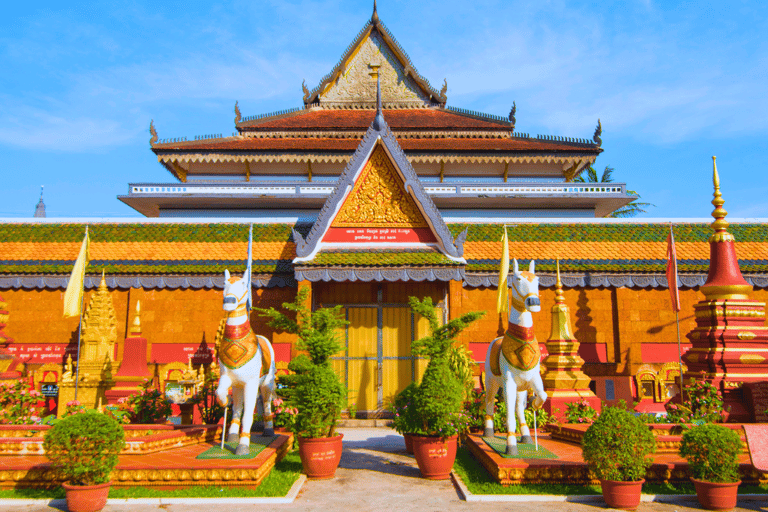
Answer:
[(720, 225), (136, 327), (559, 297)]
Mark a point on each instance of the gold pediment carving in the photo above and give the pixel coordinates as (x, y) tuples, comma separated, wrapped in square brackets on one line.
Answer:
[(379, 198)]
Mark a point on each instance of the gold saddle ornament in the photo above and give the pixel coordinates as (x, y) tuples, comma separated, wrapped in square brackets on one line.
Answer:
[(240, 344), (519, 347)]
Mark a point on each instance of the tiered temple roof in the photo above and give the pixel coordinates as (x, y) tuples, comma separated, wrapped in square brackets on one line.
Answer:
[(314, 141)]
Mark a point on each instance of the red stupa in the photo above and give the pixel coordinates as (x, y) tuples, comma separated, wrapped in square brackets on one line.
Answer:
[(730, 341)]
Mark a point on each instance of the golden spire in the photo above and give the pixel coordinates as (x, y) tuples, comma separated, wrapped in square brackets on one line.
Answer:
[(559, 297), (103, 283), (136, 327), (720, 225)]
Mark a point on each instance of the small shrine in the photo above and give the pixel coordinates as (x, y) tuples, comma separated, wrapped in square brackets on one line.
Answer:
[(92, 376)]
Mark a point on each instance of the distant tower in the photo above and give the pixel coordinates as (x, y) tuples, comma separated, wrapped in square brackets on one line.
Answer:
[(40, 208)]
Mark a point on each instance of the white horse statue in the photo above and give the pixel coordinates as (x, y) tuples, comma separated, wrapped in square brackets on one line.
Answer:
[(247, 363), (513, 360)]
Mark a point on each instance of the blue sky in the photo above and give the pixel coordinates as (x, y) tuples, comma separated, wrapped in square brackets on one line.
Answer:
[(673, 83)]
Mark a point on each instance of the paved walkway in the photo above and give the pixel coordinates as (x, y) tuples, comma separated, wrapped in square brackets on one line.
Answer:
[(376, 475)]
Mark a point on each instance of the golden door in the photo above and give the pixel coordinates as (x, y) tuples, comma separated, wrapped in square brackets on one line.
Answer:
[(377, 361)]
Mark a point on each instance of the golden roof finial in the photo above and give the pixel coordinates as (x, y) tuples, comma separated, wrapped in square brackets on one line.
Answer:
[(375, 15), (720, 225), (136, 327), (103, 283), (559, 297)]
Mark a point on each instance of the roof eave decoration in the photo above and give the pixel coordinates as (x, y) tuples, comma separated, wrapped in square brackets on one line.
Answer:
[(379, 133), (313, 96)]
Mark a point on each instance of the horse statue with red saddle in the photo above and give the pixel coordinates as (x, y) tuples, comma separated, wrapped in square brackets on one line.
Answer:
[(247, 363), (513, 360)]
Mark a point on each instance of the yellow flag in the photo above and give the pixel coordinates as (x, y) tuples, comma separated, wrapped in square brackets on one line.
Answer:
[(502, 297), (73, 297)]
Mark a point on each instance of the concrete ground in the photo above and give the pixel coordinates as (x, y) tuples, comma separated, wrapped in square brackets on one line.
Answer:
[(376, 475)]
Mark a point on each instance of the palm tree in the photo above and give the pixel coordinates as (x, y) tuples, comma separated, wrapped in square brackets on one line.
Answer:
[(629, 210)]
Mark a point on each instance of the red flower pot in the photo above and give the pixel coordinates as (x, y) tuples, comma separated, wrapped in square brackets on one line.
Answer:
[(320, 457), (435, 456), (408, 443), (622, 495), (716, 496), (86, 498)]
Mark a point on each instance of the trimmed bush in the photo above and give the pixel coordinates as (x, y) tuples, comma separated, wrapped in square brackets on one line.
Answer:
[(712, 452), (617, 446), (84, 447)]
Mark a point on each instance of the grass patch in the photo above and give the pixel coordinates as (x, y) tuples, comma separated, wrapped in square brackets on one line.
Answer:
[(478, 481), (32, 494), (276, 484)]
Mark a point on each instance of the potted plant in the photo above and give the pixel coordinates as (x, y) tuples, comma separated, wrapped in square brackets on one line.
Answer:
[(712, 452), (617, 448), (437, 416), (84, 448), (314, 389)]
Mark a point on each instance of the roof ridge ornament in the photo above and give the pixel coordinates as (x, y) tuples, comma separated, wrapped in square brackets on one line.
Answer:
[(512, 113), (598, 133), (305, 90), (375, 15), (152, 130), (443, 98), (238, 115)]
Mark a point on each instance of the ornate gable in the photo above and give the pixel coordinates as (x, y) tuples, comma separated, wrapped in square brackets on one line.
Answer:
[(378, 203), (374, 54)]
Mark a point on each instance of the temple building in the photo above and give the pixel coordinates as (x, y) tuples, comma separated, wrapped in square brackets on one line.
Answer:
[(372, 191), (284, 165)]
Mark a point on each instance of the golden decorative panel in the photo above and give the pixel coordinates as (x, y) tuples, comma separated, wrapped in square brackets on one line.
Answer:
[(379, 199)]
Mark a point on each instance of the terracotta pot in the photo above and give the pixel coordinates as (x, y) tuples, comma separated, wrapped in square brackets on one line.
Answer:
[(435, 456), (408, 443), (622, 495), (86, 498), (716, 496), (320, 457)]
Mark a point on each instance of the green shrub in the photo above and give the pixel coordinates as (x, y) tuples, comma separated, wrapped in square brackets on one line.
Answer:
[(617, 446), (314, 389), (712, 452), (84, 447), (438, 402)]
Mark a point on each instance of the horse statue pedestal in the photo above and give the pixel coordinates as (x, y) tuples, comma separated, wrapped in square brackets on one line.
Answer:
[(513, 361), (247, 363)]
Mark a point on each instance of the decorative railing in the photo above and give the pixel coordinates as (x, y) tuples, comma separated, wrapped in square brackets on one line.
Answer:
[(306, 189)]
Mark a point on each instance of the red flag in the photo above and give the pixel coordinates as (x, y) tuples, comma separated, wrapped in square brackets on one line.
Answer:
[(672, 270)]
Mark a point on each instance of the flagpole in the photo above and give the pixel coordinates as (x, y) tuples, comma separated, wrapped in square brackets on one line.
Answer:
[(80, 327), (79, 334), (679, 355)]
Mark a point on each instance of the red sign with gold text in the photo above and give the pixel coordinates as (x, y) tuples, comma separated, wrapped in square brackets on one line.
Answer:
[(379, 235)]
